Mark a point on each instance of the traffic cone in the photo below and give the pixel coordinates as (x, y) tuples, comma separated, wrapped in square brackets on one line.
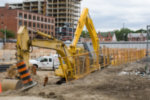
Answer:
[(0, 88)]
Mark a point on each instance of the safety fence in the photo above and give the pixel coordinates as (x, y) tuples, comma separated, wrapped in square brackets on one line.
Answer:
[(82, 64), (117, 56), (86, 63)]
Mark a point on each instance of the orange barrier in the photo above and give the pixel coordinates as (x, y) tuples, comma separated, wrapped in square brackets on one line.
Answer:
[(121, 55), (0, 88), (24, 73)]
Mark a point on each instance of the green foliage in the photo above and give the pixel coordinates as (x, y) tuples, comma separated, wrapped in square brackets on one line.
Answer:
[(122, 34), (141, 31), (85, 34), (9, 34)]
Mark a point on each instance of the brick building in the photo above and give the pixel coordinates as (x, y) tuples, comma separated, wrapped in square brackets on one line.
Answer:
[(107, 36), (13, 19), (65, 12), (137, 36)]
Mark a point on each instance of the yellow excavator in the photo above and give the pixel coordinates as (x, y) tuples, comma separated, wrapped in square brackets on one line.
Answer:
[(67, 55), (66, 69)]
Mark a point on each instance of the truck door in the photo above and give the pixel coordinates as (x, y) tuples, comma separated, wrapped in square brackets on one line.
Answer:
[(50, 65), (44, 62)]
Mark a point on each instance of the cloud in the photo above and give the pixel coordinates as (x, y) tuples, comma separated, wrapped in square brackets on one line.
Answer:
[(111, 14), (2, 2)]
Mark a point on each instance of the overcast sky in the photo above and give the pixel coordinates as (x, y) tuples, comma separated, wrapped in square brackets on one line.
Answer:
[(111, 14)]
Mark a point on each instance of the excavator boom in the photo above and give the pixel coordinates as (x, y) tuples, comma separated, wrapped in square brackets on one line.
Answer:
[(85, 20)]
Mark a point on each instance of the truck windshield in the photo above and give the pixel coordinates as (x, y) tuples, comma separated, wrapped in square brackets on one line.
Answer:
[(39, 59)]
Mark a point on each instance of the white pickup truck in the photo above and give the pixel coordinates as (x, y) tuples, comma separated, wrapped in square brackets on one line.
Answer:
[(46, 62)]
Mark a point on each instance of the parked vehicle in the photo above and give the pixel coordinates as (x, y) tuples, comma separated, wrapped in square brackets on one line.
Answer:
[(46, 62)]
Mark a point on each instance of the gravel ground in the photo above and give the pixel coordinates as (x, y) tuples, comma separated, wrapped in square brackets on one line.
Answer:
[(125, 82)]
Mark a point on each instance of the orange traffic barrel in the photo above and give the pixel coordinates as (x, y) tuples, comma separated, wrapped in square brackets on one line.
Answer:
[(24, 73), (0, 87)]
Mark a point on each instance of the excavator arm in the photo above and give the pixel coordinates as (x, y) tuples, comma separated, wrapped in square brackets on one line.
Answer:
[(24, 44), (85, 20)]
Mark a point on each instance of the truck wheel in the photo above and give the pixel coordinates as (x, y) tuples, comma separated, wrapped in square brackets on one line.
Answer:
[(35, 65)]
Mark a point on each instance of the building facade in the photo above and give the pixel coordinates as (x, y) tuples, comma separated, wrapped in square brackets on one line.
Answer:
[(12, 19), (107, 36), (65, 12), (137, 36)]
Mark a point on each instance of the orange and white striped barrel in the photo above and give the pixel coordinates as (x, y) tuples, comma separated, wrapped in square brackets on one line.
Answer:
[(24, 73)]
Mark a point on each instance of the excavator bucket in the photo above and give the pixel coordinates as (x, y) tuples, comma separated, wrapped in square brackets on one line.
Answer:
[(11, 84)]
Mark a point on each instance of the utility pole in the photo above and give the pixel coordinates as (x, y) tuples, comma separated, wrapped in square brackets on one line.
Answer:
[(147, 68), (123, 25), (147, 46)]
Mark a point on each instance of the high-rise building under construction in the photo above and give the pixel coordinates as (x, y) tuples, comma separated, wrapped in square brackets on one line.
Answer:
[(65, 12)]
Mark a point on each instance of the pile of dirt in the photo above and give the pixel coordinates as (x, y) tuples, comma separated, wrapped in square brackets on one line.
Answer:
[(106, 84)]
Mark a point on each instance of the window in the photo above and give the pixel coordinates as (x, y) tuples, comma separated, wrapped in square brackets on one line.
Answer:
[(45, 26), (44, 60), (38, 18), (52, 27), (41, 19), (42, 26), (25, 16), (49, 20), (48, 33), (33, 24), (50, 60), (20, 22), (34, 18), (20, 15), (45, 19), (29, 24), (25, 23), (48, 26), (30, 17), (38, 25), (52, 21)]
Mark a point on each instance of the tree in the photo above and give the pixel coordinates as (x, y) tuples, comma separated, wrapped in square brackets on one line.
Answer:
[(141, 31), (9, 34), (85, 34), (122, 34)]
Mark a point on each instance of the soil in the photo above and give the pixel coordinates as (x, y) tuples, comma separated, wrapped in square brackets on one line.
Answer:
[(125, 82)]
